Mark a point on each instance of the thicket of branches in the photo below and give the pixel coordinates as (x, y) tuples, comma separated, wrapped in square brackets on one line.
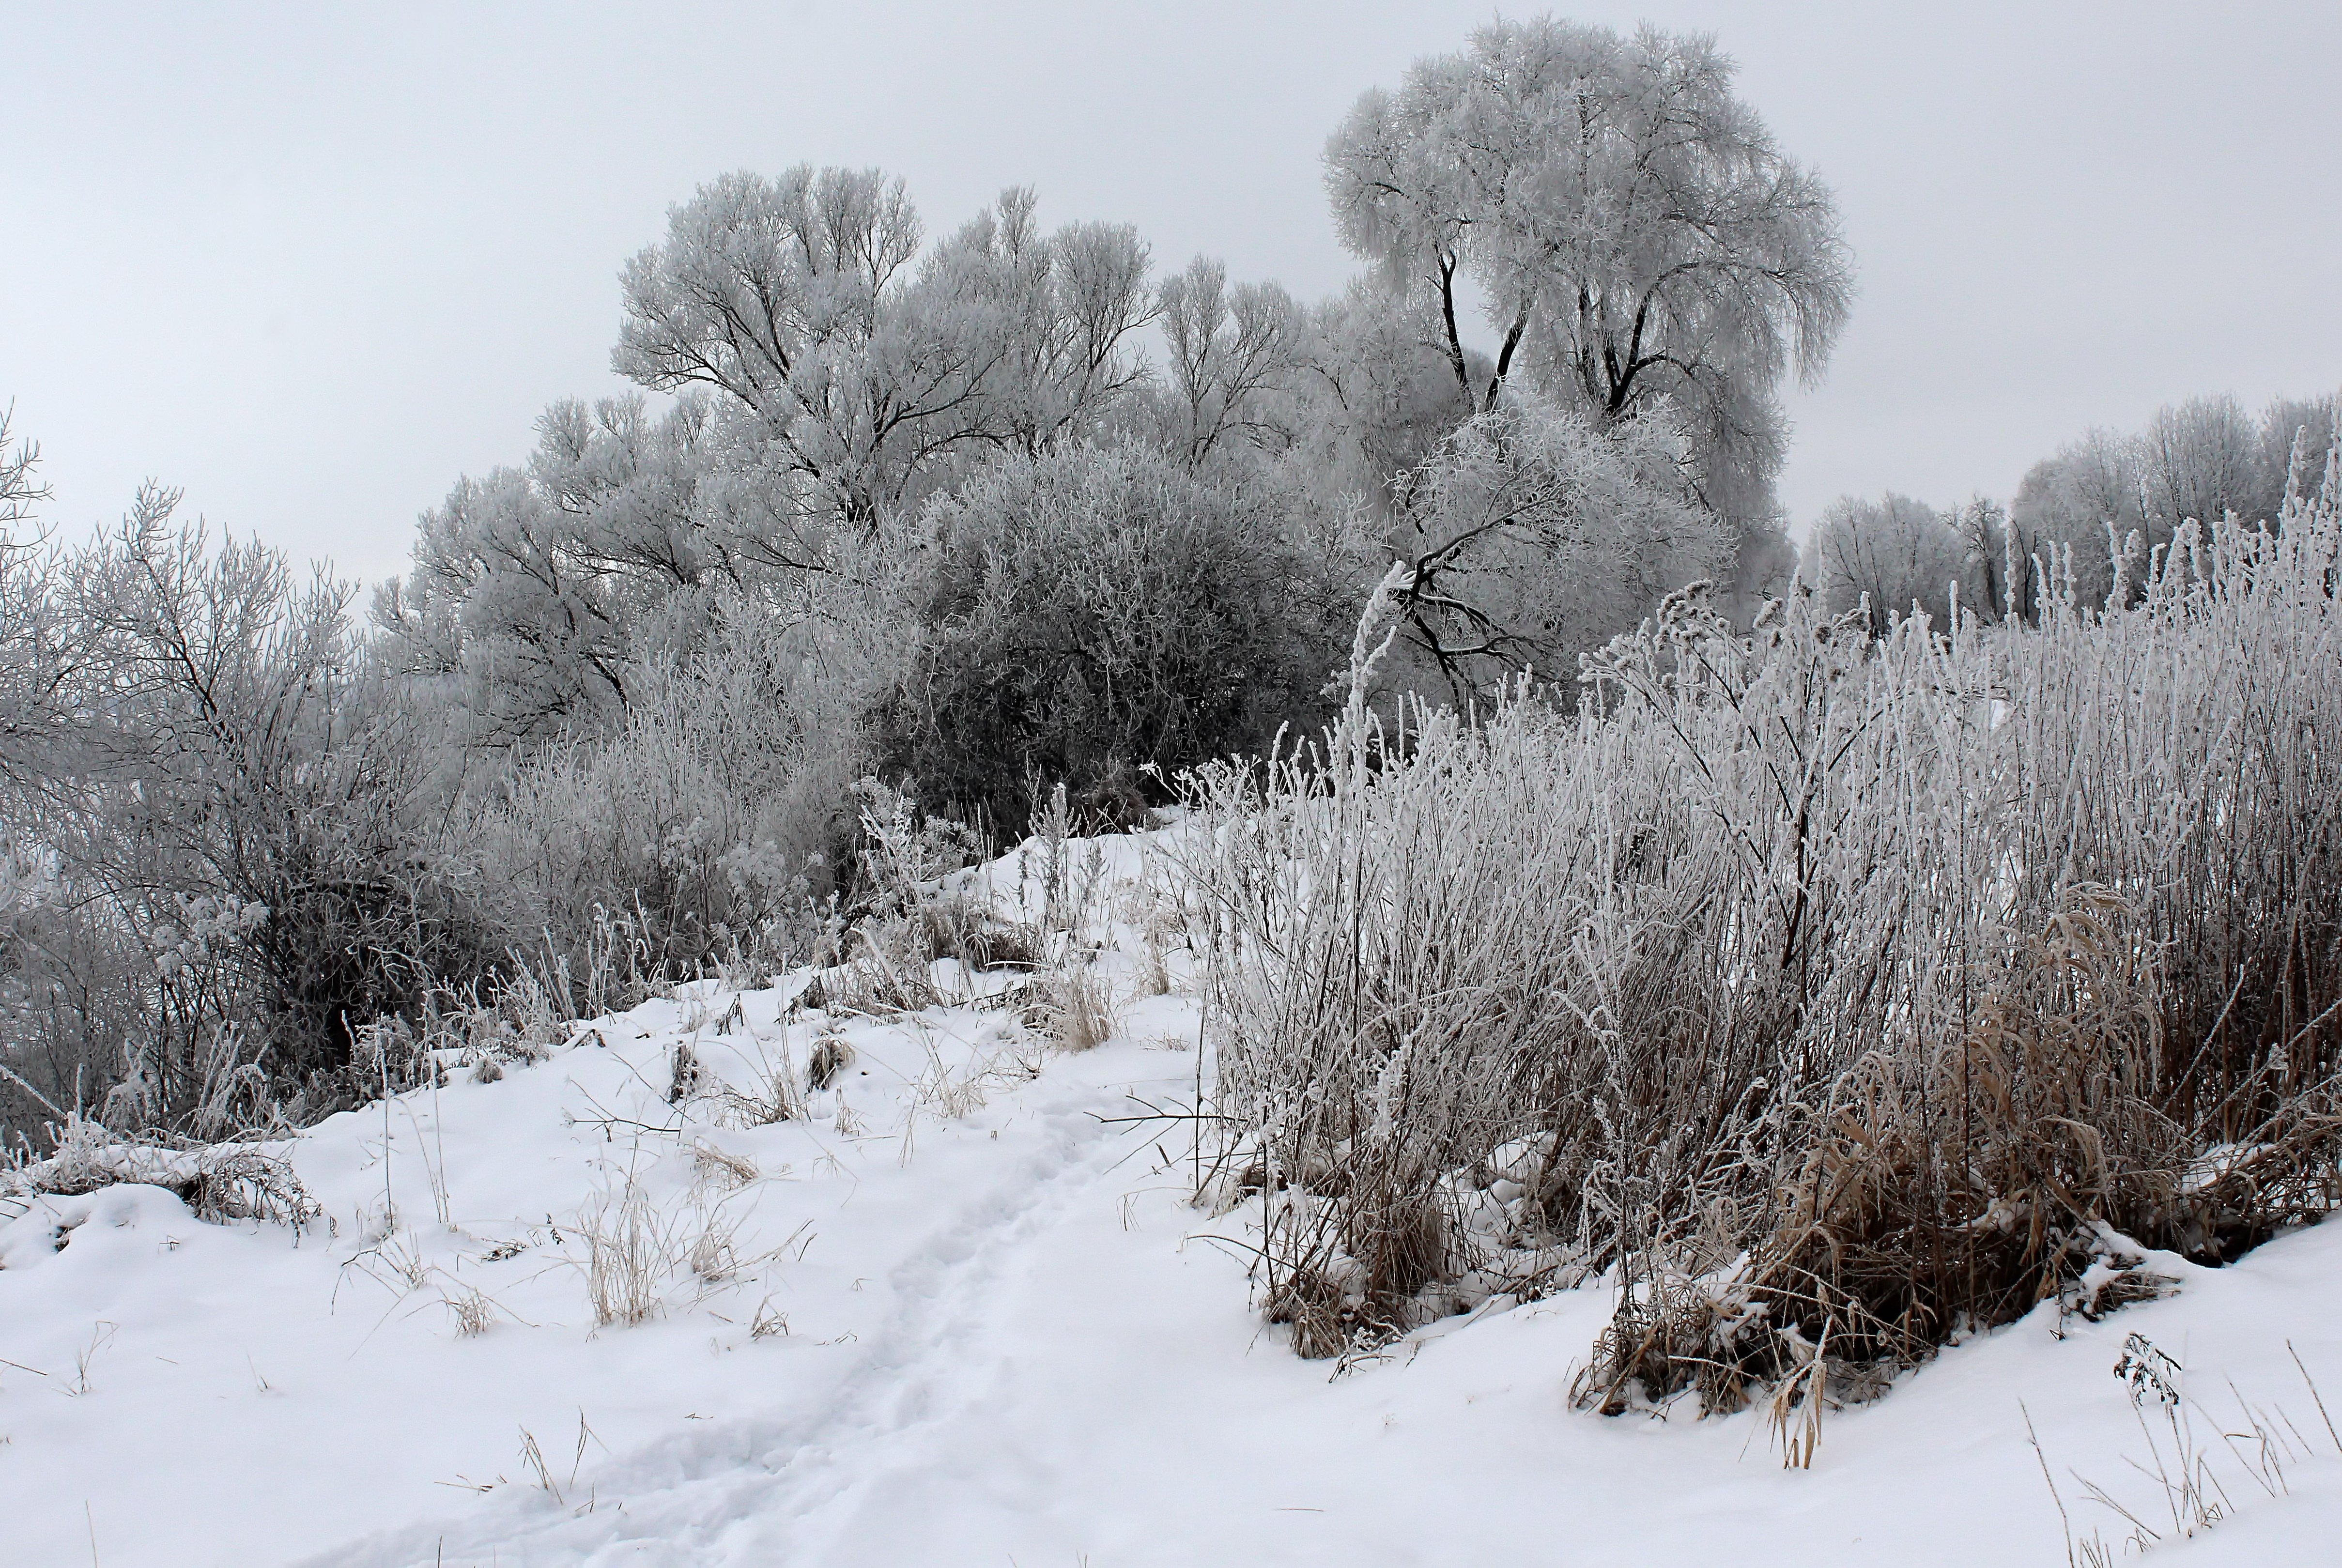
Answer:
[(1841, 993), (1107, 617), (211, 807)]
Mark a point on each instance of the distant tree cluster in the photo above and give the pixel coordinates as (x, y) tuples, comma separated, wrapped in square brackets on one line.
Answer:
[(983, 511), (2201, 460), (2101, 506)]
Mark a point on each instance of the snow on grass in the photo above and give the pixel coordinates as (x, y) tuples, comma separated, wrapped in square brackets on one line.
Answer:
[(958, 1310)]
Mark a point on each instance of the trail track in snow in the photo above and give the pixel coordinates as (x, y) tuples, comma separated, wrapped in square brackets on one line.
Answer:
[(1057, 1383), (787, 1490)]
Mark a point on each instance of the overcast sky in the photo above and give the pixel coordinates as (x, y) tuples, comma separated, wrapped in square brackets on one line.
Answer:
[(311, 266)]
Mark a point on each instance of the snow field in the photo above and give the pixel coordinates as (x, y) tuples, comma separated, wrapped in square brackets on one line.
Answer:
[(1010, 1339)]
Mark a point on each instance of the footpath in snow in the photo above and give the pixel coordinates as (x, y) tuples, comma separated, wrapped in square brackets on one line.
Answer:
[(961, 1311)]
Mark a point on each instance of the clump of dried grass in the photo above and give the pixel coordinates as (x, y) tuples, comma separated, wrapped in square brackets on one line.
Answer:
[(630, 1250), (890, 959), (888, 970), (711, 1256), (1848, 993), (636, 1248), (220, 1182), (471, 1311), (238, 1182), (1962, 1186), (953, 924), (1072, 1004), (1154, 908), (773, 1094)]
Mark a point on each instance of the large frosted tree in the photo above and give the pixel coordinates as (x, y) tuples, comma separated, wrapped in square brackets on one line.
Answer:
[(533, 587), (1629, 227), (868, 368)]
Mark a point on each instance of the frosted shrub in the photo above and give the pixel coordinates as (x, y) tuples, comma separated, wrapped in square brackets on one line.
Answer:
[(208, 879), (1100, 608), (1836, 992), (708, 824)]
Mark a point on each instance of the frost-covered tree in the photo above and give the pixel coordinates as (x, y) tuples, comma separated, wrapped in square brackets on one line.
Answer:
[(1047, 322), (1231, 353), (1995, 583), (1891, 555), (782, 296), (2295, 434), (1374, 396), (1535, 533), (1631, 225), (533, 587), (2198, 461), (2065, 508), (32, 654), (508, 615), (798, 301), (21, 489)]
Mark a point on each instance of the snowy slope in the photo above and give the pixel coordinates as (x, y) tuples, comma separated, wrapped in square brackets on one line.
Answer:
[(1009, 1339)]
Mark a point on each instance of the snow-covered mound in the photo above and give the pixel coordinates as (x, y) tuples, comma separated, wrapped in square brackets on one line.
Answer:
[(956, 1307)]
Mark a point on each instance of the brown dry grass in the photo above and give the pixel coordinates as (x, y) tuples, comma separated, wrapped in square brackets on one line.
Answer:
[(1831, 996)]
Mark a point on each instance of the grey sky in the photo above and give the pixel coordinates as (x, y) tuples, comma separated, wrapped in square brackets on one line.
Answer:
[(312, 265)]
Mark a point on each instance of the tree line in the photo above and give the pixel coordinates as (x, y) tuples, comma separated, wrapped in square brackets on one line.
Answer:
[(2106, 504), (979, 511)]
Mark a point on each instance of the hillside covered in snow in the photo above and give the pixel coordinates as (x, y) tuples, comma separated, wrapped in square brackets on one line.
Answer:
[(961, 1304)]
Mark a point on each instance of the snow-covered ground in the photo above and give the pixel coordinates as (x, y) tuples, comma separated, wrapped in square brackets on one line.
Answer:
[(963, 1313)]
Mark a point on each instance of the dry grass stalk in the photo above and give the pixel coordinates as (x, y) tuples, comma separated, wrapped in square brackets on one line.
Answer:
[(683, 1080), (629, 1253), (532, 1458), (721, 1169), (2191, 1456), (711, 1256)]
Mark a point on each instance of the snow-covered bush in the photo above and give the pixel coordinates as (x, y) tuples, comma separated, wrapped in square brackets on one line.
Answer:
[(221, 1182), (711, 820), (1838, 993), (1096, 610)]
